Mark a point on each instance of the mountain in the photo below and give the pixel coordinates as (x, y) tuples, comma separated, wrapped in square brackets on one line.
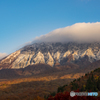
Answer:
[(53, 54), (39, 69)]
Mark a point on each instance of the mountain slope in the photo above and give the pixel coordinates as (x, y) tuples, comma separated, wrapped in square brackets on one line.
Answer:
[(52, 54), (89, 82), (44, 84)]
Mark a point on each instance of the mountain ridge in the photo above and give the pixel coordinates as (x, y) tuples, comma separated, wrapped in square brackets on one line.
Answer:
[(51, 54)]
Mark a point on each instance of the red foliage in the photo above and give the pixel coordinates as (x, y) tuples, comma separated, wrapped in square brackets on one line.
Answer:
[(66, 96)]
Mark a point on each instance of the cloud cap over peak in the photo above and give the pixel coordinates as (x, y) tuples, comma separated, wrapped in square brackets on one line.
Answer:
[(79, 32)]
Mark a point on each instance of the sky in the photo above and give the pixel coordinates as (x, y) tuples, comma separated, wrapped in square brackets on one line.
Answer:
[(21, 21), (79, 32)]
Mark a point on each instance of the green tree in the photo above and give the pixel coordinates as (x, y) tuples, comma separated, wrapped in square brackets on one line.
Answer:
[(74, 86)]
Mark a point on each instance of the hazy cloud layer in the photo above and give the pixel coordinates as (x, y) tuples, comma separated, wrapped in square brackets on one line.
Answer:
[(79, 32), (2, 55)]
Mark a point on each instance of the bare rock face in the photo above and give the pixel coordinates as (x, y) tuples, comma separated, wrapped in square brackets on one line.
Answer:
[(9, 60), (52, 54)]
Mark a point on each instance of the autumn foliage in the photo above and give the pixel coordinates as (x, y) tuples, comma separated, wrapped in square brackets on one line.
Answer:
[(66, 96)]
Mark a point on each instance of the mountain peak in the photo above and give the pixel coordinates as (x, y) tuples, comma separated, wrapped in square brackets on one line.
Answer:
[(52, 53)]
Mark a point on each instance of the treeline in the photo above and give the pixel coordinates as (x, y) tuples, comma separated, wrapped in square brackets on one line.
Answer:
[(92, 84), (66, 96)]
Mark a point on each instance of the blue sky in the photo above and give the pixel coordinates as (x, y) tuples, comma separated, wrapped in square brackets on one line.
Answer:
[(23, 20)]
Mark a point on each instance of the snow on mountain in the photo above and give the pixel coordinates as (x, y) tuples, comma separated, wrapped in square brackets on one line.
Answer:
[(51, 53)]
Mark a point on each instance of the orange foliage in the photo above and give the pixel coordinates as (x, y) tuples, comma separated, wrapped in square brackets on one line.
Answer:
[(38, 98)]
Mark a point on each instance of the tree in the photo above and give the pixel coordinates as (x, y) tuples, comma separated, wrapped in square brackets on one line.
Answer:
[(74, 86)]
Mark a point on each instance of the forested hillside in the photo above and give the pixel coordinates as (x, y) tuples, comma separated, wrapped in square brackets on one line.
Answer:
[(88, 83)]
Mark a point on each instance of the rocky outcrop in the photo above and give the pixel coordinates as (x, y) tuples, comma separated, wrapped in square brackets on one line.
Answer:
[(52, 54)]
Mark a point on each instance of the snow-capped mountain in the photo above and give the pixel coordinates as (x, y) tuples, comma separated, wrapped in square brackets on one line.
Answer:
[(53, 54)]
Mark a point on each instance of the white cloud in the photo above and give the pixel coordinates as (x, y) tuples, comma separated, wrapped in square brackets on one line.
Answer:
[(79, 32), (2, 55)]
